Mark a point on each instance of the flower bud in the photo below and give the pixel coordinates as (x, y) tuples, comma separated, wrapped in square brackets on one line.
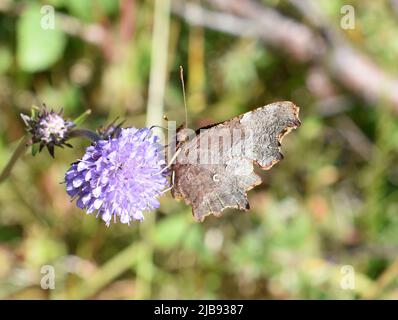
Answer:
[(48, 128)]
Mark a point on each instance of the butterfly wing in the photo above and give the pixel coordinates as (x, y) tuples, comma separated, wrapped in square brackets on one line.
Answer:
[(214, 169)]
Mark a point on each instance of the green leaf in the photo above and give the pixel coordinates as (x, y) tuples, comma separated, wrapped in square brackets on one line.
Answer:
[(33, 111), (82, 117), (35, 149), (38, 48)]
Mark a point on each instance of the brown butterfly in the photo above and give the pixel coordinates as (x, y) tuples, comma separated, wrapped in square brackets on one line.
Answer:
[(214, 168)]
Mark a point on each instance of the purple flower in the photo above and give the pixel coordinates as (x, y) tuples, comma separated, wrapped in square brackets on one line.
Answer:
[(48, 128), (52, 128), (119, 177)]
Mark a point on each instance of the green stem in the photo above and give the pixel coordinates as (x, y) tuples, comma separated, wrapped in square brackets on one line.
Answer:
[(93, 136), (118, 264), (19, 151)]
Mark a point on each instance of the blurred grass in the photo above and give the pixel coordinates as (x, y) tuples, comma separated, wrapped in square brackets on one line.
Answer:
[(324, 206)]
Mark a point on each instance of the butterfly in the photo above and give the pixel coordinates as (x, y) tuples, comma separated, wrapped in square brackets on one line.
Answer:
[(214, 168)]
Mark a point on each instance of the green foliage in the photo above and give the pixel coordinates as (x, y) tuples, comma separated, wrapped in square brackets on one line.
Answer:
[(86, 10), (5, 59), (37, 48), (170, 232)]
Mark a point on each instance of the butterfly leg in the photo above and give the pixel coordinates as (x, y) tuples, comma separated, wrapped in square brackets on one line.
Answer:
[(169, 164), (172, 183)]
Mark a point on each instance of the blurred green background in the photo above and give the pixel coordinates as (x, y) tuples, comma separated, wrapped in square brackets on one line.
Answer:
[(332, 202)]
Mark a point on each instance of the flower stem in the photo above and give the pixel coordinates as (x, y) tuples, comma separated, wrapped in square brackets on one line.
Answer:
[(118, 264), (93, 136), (19, 151)]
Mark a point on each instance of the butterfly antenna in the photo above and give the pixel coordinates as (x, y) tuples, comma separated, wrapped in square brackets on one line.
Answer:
[(183, 94), (160, 127)]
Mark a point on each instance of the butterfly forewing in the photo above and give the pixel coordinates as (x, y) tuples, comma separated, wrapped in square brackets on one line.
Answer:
[(214, 169)]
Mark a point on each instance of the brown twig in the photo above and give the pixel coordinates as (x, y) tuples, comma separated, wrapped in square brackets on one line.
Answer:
[(243, 18), (319, 43)]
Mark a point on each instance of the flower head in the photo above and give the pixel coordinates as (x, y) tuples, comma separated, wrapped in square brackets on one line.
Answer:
[(48, 129), (119, 177), (112, 130)]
